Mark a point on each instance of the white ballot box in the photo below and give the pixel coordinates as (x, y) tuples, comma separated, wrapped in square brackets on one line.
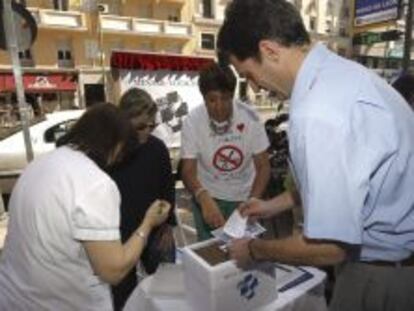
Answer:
[(214, 283)]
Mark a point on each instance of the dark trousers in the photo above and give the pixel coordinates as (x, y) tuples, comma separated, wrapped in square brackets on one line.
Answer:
[(123, 290), (366, 287)]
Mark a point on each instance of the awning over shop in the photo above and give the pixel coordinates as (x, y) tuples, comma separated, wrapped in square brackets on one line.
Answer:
[(1, 83), (152, 61), (40, 83)]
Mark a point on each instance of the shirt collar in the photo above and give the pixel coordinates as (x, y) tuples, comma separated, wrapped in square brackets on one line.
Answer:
[(308, 72)]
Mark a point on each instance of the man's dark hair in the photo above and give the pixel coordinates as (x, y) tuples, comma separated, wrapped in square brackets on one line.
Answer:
[(405, 86), (98, 132), (247, 22), (136, 102), (216, 78)]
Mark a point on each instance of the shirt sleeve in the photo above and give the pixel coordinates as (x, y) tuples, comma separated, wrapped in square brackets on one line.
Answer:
[(188, 144), (333, 166), (259, 140), (96, 214)]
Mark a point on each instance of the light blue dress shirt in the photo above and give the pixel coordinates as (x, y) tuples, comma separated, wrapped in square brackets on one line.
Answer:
[(351, 140)]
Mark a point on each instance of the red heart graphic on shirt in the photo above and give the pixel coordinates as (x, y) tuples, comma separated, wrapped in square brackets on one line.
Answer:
[(240, 127)]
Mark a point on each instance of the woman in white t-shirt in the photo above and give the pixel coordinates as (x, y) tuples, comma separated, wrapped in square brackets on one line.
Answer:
[(63, 243), (223, 151)]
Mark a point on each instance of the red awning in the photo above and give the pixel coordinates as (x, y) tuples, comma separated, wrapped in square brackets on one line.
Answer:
[(150, 61), (40, 83), (1, 83)]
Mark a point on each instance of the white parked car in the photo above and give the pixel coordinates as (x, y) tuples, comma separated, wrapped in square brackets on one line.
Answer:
[(43, 136)]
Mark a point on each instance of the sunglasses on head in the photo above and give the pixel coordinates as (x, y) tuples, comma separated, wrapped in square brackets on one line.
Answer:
[(144, 126)]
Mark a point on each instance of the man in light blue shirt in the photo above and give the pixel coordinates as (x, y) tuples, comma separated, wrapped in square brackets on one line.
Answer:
[(351, 139)]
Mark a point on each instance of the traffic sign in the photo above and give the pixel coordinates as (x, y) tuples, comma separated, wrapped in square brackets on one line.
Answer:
[(25, 26)]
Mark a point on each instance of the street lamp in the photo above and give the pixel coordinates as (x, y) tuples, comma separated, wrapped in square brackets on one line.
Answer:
[(15, 19)]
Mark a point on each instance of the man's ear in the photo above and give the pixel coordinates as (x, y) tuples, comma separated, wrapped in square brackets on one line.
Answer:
[(269, 50)]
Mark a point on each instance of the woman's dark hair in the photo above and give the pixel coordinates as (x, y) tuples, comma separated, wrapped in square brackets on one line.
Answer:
[(216, 78), (98, 132), (247, 22), (405, 86), (136, 102)]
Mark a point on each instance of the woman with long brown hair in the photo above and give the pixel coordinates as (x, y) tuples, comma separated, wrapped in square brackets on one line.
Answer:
[(63, 245)]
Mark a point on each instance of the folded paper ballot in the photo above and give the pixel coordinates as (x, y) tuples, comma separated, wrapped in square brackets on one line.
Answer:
[(238, 227)]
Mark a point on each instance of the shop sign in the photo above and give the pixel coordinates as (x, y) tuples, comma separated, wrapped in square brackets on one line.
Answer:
[(41, 82), (369, 12)]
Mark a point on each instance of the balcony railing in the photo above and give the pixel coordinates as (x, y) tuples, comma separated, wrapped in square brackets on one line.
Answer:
[(140, 26), (211, 22), (59, 19), (66, 63), (147, 26), (27, 62), (181, 2), (205, 53)]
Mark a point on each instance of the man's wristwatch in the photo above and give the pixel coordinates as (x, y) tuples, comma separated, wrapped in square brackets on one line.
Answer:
[(250, 250)]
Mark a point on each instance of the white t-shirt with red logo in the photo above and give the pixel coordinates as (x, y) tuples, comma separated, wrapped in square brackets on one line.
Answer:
[(224, 162)]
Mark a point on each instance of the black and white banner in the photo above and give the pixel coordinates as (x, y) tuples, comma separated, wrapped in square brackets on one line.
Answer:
[(175, 92)]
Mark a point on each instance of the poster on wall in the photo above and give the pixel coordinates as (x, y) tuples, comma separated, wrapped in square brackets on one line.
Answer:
[(368, 12), (175, 93)]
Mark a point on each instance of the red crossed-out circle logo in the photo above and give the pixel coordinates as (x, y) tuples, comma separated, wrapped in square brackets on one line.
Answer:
[(228, 158)]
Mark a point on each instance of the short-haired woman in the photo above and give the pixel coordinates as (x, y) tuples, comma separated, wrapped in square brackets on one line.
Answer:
[(223, 151), (144, 176)]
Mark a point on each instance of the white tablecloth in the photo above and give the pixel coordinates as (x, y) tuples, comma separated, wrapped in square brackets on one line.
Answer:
[(304, 296)]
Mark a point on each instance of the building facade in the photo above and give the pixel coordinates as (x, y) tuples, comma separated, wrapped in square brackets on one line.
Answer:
[(329, 21), (68, 65)]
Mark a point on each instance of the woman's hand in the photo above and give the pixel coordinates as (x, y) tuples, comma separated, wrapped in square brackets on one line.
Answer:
[(157, 213)]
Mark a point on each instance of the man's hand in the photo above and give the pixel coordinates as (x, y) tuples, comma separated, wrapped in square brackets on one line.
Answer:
[(239, 252), (255, 208), (211, 213)]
